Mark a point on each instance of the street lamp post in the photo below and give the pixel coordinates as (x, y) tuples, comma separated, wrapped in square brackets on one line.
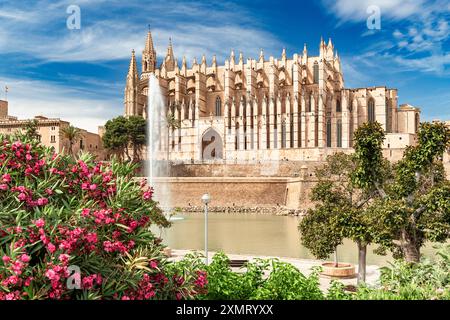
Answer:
[(206, 198)]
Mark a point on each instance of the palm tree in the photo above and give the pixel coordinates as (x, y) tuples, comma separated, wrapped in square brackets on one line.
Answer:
[(172, 123), (72, 134)]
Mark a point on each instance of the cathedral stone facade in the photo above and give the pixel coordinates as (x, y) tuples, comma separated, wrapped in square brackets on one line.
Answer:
[(288, 108)]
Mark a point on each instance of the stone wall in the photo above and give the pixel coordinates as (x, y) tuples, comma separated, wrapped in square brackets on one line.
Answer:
[(237, 192)]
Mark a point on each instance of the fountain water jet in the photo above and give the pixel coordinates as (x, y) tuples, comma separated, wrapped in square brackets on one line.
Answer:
[(157, 166)]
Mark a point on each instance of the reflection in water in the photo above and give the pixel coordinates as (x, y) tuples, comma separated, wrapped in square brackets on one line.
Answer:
[(254, 234)]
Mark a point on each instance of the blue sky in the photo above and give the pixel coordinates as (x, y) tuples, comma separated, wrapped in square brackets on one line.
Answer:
[(79, 75)]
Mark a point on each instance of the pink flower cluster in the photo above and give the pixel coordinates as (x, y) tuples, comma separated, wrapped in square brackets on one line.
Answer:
[(26, 195), (201, 280), (90, 281)]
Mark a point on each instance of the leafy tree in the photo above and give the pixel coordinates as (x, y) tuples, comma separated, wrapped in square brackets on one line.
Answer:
[(136, 131), (116, 136), (72, 134), (123, 134), (339, 211), (413, 207), (31, 130)]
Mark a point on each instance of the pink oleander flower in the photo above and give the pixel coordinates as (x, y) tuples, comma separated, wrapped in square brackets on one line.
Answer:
[(3, 186), (6, 178), (25, 258), (85, 212), (153, 264), (91, 237), (22, 196), (64, 258), (147, 194), (28, 157), (51, 247), (92, 187), (39, 223), (42, 201), (6, 259), (85, 186), (49, 191), (28, 281), (52, 275)]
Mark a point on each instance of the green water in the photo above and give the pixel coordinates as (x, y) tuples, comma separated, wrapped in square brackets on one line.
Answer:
[(253, 234)]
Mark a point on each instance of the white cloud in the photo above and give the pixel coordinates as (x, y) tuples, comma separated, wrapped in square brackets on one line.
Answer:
[(38, 30), (29, 98), (356, 10), (193, 27), (417, 43)]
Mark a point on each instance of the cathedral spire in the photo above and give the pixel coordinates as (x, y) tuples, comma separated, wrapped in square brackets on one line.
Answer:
[(170, 58), (149, 54), (132, 69), (283, 54), (261, 55), (330, 44), (130, 98), (322, 48)]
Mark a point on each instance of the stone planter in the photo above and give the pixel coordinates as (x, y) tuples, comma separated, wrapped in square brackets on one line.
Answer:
[(343, 270)]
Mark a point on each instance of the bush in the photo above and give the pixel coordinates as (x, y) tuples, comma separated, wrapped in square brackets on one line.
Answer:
[(68, 223), (283, 282), (427, 280)]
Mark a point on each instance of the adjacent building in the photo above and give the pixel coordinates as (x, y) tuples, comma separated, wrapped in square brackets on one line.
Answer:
[(50, 131)]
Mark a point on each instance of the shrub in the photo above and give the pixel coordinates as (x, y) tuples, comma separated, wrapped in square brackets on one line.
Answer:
[(262, 280), (83, 223)]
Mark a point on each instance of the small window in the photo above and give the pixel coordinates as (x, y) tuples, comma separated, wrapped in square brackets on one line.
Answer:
[(338, 106), (53, 128), (328, 133), (371, 110), (316, 72), (339, 133), (52, 139), (218, 107)]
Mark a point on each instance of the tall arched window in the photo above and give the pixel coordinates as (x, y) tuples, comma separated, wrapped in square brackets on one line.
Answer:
[(310, 104), (416, 122), (329, 133), (218, 107), (339, 133), (371, 110), (283, 134), (316, 72), (338, 105)]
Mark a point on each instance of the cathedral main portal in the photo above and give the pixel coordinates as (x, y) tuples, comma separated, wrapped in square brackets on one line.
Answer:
[(212, 145)]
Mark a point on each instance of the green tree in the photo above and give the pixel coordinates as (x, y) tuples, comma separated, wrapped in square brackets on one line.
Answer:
[(31, 130), (339, 212), (136, 131), (115, 138), (123, 134), (72, 134), (413, 206)]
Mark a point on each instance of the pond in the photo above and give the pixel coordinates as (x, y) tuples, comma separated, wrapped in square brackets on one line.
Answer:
[(254, 234)]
